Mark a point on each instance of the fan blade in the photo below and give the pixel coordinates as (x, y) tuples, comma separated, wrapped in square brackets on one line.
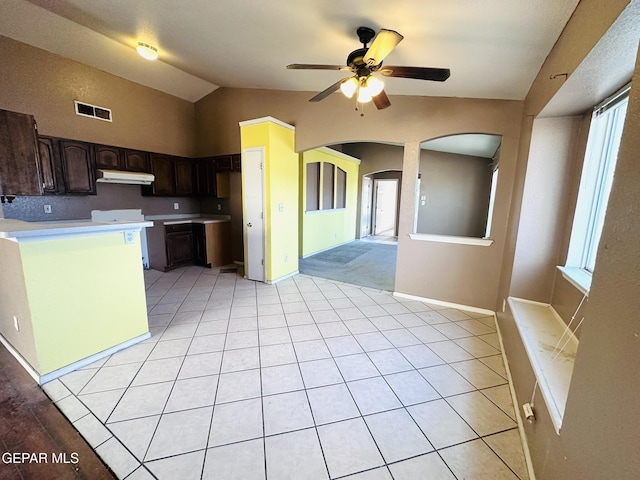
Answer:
[(325, 93), (382, 45), (303, 66), (381, 101), (420, 73)]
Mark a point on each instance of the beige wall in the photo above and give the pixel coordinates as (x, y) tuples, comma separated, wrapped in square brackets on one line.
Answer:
[(14, 302), (45, 85), (457, 190), (545, 204), (461, 274), (598, 438)]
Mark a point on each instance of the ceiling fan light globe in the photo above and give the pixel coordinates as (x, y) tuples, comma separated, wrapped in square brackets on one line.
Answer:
[(349, 87), (364, 96), (374, 85)]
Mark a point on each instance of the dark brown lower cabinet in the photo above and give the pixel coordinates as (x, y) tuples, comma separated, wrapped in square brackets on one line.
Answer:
[(199, 244), (179, 245)]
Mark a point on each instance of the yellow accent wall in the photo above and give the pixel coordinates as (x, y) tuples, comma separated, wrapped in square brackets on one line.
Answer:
[(86, 295), (281, 195), (324, 229)]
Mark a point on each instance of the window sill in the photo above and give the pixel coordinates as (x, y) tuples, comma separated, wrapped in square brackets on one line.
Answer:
[(577, 277), (541, 330), (328, 210), (427, 237)]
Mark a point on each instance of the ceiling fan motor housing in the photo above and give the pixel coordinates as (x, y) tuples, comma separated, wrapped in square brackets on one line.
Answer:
[(365, 34)]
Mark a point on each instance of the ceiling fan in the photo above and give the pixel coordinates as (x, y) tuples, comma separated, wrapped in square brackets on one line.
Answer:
[(364, 61)]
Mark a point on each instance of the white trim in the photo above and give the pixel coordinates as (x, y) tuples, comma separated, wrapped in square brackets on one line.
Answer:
[(336, 153), (328, 248), (30, 370), (47, 377), (277, 280), (238, 262), (577, 277), (328, 210), (516, 407), (444, 304), (257, 121), (541, 330), (428, 237)]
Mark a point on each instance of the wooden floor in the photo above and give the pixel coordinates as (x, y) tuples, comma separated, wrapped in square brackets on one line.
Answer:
[(30, 423)]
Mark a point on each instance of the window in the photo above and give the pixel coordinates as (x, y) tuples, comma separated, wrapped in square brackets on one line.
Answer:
[(341, 188), (595, 185), (313, 180), (327, 186)]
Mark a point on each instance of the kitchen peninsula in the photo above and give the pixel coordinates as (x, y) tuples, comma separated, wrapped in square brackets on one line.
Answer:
[(70, 292)]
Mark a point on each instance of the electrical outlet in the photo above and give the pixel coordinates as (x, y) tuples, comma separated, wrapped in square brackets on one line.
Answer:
[(286, 258), (15, 323), (47, 209), (219, 207), (176, 206)]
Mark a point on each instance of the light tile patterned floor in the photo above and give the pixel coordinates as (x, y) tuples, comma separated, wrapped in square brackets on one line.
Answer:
[(306, 379)]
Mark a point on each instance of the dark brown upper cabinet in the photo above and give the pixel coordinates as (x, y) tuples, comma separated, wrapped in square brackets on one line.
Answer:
[(108, 157), (162, 166), (224, 163), (228, 163), (236, 159), (50, 166), (78, 167), (206, 182), (184, 176), (19, 162), (136, 161)]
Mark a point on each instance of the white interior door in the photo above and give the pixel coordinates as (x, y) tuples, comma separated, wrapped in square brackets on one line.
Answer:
[(386, 196), (253, 212), (365, 209)]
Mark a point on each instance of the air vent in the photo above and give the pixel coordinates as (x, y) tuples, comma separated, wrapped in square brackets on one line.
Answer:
[(88, 110)]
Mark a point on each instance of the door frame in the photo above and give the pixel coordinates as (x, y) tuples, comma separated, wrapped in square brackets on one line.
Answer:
[(374, 209), (263, 245)]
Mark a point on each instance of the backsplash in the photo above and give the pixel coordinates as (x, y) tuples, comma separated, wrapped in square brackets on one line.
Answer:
[(109, 197)]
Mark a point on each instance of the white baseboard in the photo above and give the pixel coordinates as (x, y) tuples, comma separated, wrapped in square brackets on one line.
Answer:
[(445, 304), (272, 282), (47, 377)]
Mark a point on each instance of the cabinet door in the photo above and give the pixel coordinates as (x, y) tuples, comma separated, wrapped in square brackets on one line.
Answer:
[(179, 248), (237, 162), (108, 157), (135, 161), (164, 183), (199, 244), (224, 163), (184, 176), (50, 166), (19, 168), (206, 177), (77, 166)]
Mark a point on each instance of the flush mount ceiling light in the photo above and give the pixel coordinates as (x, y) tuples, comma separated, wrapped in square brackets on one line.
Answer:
[(146, 51)]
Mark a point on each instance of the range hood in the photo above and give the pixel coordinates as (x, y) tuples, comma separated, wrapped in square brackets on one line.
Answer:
[(129, 178)]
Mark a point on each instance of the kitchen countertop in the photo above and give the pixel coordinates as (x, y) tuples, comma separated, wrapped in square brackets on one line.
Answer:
[(187, 218), (20, 229)]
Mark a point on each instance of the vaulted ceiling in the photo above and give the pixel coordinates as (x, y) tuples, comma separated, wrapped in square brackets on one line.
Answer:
[(494, 48)]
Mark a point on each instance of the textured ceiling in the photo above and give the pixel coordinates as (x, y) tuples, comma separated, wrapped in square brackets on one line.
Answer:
[(494, 48)]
